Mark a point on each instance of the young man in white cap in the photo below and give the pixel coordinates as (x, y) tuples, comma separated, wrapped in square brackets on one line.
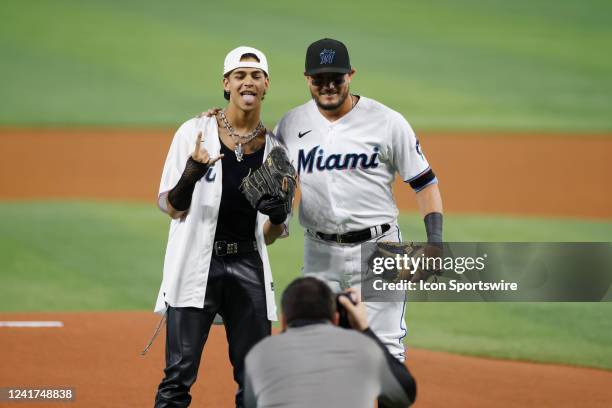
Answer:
[(216, 260)]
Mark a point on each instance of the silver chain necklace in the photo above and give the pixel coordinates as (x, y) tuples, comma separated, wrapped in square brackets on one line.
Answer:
[(238, 139)]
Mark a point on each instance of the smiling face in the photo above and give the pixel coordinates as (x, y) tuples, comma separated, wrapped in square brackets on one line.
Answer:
[(329, 90), (246, 87)]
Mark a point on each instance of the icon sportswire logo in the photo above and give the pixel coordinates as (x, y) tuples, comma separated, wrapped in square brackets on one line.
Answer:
[(301, 134)]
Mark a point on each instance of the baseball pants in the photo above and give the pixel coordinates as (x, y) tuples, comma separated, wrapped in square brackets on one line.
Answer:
[(339, 265), (236, 291)]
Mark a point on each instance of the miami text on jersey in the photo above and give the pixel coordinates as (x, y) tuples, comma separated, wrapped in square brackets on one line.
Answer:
[(315, 158)]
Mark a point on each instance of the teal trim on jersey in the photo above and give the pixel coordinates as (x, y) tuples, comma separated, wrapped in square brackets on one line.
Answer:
[(402, 321), (448, 64), (72, 256)]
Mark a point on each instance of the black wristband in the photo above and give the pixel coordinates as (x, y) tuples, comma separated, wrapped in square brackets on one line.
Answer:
[(433, 227), (180, 196)]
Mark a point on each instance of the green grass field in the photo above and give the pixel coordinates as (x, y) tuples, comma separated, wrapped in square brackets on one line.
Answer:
[(449, 65), (444, 64), (69, 256)]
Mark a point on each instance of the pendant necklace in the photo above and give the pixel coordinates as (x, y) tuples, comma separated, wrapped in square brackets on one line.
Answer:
[(239, 140)]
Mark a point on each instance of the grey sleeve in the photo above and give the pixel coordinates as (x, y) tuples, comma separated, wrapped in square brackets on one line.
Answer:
[(398, 387)]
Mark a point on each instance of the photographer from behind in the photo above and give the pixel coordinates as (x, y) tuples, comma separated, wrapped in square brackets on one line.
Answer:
[(313, 362)]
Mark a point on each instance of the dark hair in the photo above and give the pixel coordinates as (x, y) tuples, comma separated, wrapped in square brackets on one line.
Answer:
[(249, 55), (246, 56), (308, 298)]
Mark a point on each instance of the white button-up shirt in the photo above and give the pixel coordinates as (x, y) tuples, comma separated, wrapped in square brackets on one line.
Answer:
[(191, 238)]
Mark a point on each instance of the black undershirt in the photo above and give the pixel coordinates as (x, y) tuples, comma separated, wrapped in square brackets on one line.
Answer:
[(236, 221)]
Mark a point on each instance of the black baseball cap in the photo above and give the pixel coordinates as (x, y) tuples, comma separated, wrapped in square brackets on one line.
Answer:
[(327, 55)]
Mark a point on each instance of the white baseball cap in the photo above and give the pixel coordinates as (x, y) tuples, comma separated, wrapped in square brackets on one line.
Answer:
[(232, 60)]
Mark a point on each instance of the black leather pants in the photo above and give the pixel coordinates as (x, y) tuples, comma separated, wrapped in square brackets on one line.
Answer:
[(236, 291)]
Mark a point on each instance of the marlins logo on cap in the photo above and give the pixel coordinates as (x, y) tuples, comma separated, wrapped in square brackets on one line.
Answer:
[(327, 55)]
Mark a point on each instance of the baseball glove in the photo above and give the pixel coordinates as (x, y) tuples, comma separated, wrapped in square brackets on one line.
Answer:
[(416, 266), (274, 182)]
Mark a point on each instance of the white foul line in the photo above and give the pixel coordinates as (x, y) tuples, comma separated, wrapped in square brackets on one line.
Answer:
[(31, 324)]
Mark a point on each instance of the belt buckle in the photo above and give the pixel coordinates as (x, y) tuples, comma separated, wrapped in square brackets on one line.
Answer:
[(232, 248), (338, 238), (221, 248)]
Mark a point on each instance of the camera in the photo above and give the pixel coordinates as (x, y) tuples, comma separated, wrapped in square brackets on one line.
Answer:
[(344, 321)]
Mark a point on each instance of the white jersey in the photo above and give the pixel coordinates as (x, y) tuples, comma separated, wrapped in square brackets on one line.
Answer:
[(190, 240), (347, 167)]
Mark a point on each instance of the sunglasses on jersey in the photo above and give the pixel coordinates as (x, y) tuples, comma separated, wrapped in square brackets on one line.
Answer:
[(324, 79)]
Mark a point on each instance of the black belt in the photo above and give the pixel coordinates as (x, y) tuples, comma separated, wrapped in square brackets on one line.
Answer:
[(222, 248), (355, 236)]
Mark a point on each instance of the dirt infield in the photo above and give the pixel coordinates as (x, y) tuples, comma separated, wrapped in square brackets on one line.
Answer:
[(503, 173), (98, 355)]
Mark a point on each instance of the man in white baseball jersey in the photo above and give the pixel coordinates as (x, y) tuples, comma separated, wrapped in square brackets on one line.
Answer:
[(216, 259), (347, 149)]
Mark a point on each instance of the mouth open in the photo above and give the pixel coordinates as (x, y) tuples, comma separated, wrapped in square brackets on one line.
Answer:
[(248, 96)]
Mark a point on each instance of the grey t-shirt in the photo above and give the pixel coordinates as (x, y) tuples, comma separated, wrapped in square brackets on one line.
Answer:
[(320, 365)]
